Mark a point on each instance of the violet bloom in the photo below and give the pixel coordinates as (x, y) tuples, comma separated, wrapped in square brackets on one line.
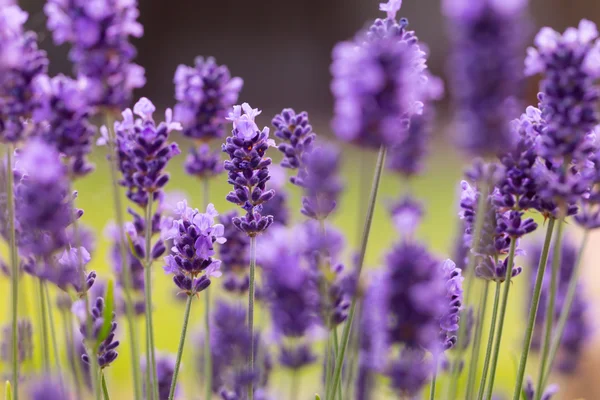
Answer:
[(99, 35), (588, 216), (68, 271), (20, 63), (143, 151), (278, 206), (193, 235), (248, 169), (569, 95), (409, 372), (48, 388), (63, 115), (106, 350), (529, 391), (235, 255), (165, 368), (298, 139), (205, 94), (202, 163), (377, 84), (454, 296), (24, 342), (578, 327), (230, 343), (485, 69)]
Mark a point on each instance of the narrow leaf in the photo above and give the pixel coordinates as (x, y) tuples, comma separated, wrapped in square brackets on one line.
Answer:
[(8, 395), (317, 397), (109, 306)]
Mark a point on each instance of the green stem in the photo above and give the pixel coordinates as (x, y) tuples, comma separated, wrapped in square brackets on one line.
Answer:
[(337, 373), (501, 319), (14, 262), (294, 386), (72, 353), (477, 337), (550, 309), (488, 351), (336, 349), (45, 343), (564, 315), (129, 308), (148, 299), (251, 310), (104, 388), (207, 350), (433, 380), (533, 309), (328, 372), (186, 319), (353, 356), (53, 336)]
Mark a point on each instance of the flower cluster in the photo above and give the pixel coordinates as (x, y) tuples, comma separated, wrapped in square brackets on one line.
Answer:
[(248, 169), (193, 235), (105, 350), (205, 94), (202, 163), (165, 367), (234, 255), (101, 53)]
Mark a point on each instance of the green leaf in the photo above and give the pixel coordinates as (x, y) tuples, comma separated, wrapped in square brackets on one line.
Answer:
[(8, 395), (317, 397), (109, 307)]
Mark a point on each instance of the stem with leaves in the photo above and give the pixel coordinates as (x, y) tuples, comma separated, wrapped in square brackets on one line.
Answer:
[(488, 351)]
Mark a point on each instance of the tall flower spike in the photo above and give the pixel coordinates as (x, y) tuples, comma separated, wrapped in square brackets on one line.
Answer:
[(193, 235), (106, 349), (484, 66), (235, 254), (205, 93), (62, 113), (165, 367), (377, 86), (143, 151), (298, 139), (569, 94), (99, 35), (20, 63), (278, 206), (202, 163), (248, 169)]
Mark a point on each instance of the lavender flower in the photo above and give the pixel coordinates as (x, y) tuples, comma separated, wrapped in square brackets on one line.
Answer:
[(193, 237), (68, 271), (577, 329), (248, 169), (322, 185), (205, 93), (377, 82), (230, 344), (143, 151), (202, 163), (588, 216), (569, 96), (529, 391), (101, 53), (298, 139), (48, 388), (63, 114), (24, 342), (165, 367), (234, 255), (106, 349), (454, 294), (20, 63), (485, 68), (410, 372), (278, 206)]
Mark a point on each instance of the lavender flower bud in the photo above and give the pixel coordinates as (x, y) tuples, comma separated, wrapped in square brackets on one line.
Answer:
[(202, 163), (106, 350)]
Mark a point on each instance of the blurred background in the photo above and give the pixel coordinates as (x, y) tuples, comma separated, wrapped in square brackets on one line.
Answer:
[(282, 51)]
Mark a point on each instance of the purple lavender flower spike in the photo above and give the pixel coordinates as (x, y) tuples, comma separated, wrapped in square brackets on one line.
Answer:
[(234, 255), (298, 139), (48, 388), (106, 350), (410, 372), (230, 343), (578, 327), (62, 113), (278, 206), (20, 63), (68, 271), (143, 151), (191, 259), (205, 94), (488, 38), (454, 295), (529, 391), (24, 342), (377, 85), (100, 50), (165, 367), (569, 94), (202, 163), (322, 184), (406, 215), (588, 216), (248, 169)]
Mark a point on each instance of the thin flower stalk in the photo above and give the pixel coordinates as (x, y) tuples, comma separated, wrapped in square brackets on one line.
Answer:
[(44, 311), (104, 388), (150, 357), (53, 336), (501, 319), (129, 309), (207, 352), (186, 318), (488, 351), (251, 294), (337, 372), (537, 291), (72, 352), (474, 361)]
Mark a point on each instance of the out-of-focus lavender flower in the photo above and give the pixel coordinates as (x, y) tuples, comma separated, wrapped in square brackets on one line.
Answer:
[(454, 296), (68, 271), (322, 184), (202, 163), (143, 151), (569, 96), (410, 372), (529, 391), (298, 139), (43, 206), (83, 236), (106, 349), (20, 63), (278, 205), (47, 388), (205, 94), (62, 115), (234, 255), (588, 216), (165, 367), (578, 329), (99, 34), (248, 169), (230, 343), (406, 215), (485, 70), (24, 342), (193, 235), (377, 85)]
